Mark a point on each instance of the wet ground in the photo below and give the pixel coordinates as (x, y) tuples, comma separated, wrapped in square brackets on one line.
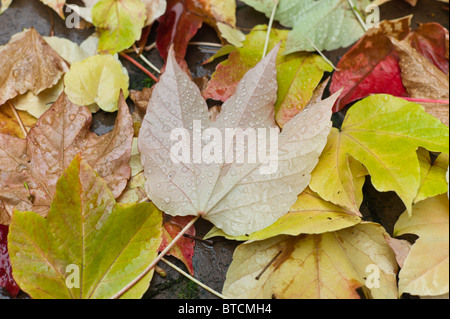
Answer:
[(211, 261)]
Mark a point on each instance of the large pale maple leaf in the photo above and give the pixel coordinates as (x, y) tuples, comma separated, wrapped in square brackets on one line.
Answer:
[(235, 197)]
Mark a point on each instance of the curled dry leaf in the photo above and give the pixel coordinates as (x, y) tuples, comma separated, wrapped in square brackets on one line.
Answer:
[(28, 64), (215, 190), (327, 266), (30, 168), (86, 233), (426, 269)]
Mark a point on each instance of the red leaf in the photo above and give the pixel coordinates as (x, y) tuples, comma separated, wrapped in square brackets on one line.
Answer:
[(6, 278), (431, 40), (184, 249), (371, 66), (178, 26)]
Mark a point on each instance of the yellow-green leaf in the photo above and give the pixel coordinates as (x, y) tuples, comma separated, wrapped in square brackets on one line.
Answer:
[(89, 246), (426, 269), (383, 133), (97, 79), (309, 215)]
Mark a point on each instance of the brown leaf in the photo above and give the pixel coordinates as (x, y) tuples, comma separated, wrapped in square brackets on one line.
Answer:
[(28, 63), (423, 79), (9, 123), (30, 168)]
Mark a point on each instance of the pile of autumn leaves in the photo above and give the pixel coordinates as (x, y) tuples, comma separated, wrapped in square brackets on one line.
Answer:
[(71, 197)]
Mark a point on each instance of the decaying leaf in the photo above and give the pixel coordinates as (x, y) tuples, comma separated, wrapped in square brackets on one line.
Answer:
[(372, 129), (298, 74), (184, 248), (86, 236), (426, 269), (30, 168), (309, 215), (215, 190), (328, 266), (184, 18), (371, 66), (28, 64), (96, 80), (329, 24), (6, 277)]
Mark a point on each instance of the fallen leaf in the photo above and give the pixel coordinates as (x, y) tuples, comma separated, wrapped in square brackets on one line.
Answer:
[(184, 18), (56, 5), (28, 64), (329, 24), (184, 248), (298, 74), (4, 5), (6, 277), (86, 234), (372, 129), (371, 66), (327, 266), (30, 168), (215, 190), (433, 181), (232, 35), (96, 80), (426, 269), (309, 215), (119, 24), (9, 124)]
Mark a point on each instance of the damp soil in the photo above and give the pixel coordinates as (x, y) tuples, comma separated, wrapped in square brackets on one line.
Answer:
[(211, 259)]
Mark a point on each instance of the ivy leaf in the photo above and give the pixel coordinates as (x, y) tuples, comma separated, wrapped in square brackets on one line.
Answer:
[(85, 233), (329, 24), (30, 168), (184, 248), (184, 18), (119, 24), (372, 129), (96, 80), (28, 63), (309, 215), (298, 74), (327, 266), (215, 190), (6, 277), (363, 71), (425, 271)]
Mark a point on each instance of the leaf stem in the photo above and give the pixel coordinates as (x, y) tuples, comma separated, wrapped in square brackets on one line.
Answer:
[(157, 259), (269, 28), (19, 120), (207, 44), (193, 279), (137, 64), (357, 14), (411, 99), (322, 55)]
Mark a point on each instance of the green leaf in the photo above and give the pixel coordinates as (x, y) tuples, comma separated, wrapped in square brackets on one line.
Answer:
[(309, 215), (383, 133), (119, 23), (97, 79), (109, 244), (329, 24)]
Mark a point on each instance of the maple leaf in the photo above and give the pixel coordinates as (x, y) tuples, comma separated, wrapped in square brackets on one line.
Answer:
[(184, 18), (215, 190), (326, 266), (309, 215), (30, 168), (297, 74), (372, 129), (425, 270), (329, 24), (6, 278), (28, 64), (86, 234), (184, 248), (371, 66)]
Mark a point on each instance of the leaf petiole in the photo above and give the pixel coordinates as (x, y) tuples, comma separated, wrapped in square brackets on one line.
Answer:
[(269, 28)]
